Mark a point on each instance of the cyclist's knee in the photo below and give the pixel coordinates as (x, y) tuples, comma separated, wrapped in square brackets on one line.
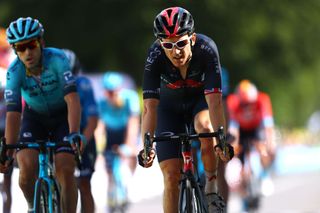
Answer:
[(171, 176), (202, 126), (27, 160), (28, 166), (171, 172), (171, 180), (27, 180), (84, 186), (65, 163)]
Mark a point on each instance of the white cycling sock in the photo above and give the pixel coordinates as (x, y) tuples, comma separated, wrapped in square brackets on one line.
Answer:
[(211, 182)]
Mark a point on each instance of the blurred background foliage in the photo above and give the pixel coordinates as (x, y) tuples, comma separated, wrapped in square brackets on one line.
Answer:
[(273, 43)]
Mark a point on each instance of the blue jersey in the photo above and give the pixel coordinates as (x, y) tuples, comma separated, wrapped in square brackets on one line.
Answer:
[(43, 94), (117, 117), (88, 103)]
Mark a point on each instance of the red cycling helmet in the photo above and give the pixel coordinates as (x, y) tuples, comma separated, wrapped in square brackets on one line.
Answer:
[(247, 91), (173, 21)]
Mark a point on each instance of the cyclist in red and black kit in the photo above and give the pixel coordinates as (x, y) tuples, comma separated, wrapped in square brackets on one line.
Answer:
[(251, 123), (251, 116), (182, 85)]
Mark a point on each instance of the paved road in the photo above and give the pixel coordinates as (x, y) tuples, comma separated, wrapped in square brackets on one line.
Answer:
[(298, 193), (296, 185), (297, 188)]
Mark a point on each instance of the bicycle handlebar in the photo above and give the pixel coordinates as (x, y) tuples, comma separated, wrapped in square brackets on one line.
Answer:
[(184, 136), (147, 147), (38, 144), (219, 135)]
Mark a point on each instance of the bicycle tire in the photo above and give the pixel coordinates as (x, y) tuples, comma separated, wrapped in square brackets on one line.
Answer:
[(56, 197), (190, 198), (47, 200), (41, 204), (117, 199)]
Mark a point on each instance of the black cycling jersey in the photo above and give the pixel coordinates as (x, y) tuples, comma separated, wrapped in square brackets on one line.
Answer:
[(163, 81), (180, 99)]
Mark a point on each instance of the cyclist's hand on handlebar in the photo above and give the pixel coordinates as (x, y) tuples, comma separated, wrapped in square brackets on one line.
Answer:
[(146, 161), (5, 168), (6, 157), (6, 163), (76, 137), (229, 152)]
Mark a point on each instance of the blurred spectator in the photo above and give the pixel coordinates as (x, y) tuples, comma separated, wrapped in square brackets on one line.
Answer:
[(120, 114), (89, 120)]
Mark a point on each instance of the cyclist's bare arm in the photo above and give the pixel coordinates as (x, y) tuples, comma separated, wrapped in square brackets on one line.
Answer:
[(149, 116), (235, 143), (149, 121), (92, 123), (216, 110), (74, 114), (132, 132), (216, 113), (13, 121), (270, 139), (74, 111)]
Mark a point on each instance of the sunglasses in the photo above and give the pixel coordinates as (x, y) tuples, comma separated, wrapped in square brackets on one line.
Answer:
[(179, 44), (29, 45)]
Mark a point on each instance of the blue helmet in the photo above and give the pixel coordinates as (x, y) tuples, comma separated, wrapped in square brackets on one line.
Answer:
[(112, 80), (23, 29)]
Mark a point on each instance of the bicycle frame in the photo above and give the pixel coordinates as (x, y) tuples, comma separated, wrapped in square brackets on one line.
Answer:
[(46, 170), (190, 196), (117, 190), (46, 184), (187, 156)]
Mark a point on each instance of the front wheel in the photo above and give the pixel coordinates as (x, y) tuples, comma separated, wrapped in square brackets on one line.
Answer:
[(41, 204), (47, 200), (190, 198), (56, 204)]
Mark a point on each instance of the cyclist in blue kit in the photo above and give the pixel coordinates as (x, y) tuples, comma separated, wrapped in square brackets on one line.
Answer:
[(43, 78), (182, 85), (120, 114), (89, 120)]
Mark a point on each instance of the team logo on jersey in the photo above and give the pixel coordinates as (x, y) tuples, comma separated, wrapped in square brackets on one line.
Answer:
[(7, 94), (153, 54), (27, 134), (68, 77)]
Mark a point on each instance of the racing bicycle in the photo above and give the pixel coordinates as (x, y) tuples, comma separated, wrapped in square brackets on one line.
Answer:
[(251, 180), (191, 197), (117, 189), (47, 190)]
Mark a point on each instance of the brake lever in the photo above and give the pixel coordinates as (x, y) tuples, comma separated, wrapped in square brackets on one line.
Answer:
[(147, 147), (3, 151), (78, 156), (222, 140)]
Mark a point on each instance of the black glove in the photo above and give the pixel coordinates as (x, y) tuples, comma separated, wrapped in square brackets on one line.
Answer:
[(150, 158), (229, 151)]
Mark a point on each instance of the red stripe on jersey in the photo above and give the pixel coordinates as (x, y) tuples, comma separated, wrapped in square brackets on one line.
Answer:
[(213, 90)]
